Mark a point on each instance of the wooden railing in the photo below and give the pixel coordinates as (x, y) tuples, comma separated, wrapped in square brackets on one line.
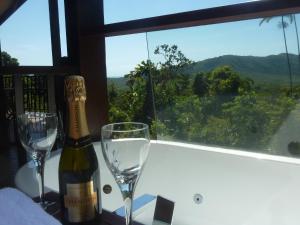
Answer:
[(35, 93)]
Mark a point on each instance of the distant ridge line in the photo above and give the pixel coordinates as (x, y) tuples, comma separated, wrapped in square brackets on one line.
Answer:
[(268, 69)]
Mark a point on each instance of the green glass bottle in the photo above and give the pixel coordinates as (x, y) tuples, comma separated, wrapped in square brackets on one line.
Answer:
[(79, 181)]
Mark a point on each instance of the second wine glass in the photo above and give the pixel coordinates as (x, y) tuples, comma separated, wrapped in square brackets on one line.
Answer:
[(37, 132), (125, 149)]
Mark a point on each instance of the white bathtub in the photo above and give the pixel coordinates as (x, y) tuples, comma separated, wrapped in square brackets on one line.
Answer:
[(238, 188)]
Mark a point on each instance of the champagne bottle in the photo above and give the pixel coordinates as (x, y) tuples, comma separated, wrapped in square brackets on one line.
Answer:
[(78, 167)]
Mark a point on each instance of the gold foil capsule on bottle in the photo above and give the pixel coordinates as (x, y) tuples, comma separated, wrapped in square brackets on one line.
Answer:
[(75, 88), (76, 95)]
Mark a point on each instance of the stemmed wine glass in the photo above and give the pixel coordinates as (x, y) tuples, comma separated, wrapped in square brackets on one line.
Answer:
[(37, 132), (125, 149)]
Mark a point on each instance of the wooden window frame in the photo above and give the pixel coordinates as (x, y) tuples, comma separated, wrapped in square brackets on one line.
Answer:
[(221, 14)]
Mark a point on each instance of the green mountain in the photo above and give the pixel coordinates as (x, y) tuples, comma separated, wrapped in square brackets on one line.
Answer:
[(119, 82), (271, 69)]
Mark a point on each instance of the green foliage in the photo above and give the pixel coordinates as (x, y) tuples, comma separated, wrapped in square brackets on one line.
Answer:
[(174, 59), (215, 107), (7, 60), (200, 85), (216, 132), (224, 81), (160, 128), (117, 114), (181, 117), (248, 121)]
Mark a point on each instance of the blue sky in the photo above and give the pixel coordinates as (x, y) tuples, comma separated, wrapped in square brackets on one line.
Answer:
[(26, 34)]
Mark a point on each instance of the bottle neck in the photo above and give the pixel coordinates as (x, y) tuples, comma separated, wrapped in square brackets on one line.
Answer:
[(78, 127)]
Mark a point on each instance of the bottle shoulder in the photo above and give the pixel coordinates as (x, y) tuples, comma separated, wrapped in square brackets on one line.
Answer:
[(78, 158)]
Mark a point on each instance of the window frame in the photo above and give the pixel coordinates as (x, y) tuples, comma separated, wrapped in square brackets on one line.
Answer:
[(215, 15)]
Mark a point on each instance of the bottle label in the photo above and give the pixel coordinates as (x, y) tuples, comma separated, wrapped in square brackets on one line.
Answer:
[(80, 201)]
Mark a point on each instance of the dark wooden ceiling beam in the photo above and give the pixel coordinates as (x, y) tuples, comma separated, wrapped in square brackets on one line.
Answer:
[(8, 12), (237, 12)]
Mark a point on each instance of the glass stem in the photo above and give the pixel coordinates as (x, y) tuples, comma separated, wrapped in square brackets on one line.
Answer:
[(128, 210), (40, 166), (127, 193)]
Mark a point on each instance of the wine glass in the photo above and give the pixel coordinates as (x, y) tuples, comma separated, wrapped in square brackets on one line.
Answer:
[(37, 133), (125, 149)]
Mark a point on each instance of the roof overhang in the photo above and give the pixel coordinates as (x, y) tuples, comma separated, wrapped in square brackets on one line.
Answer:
[(8, 7)]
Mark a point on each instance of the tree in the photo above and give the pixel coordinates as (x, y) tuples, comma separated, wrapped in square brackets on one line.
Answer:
[(112, 92), (174, 58), (162, 82), (283, 25), (200, 85), (116, 101), (292, 20), (169, 79), (184, 118), (7, 60), (248, 121), (117, 114), (216, 131), (223, 82), (172, 68), (141, 90)]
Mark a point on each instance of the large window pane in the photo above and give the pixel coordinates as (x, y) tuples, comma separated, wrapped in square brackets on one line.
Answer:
[(123, 54), (234, 85), (240, 88), (117, 11), (62, 28), (26, 34)]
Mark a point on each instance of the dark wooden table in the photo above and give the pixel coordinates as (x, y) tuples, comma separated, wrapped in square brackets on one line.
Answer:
[(107, 218)]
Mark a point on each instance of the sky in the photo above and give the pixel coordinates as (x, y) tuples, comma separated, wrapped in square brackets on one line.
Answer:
[(26, 34)]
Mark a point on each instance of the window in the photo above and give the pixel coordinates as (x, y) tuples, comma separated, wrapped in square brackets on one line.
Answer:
[(62, 27), (124, 53), (28, 39), (233, 85)]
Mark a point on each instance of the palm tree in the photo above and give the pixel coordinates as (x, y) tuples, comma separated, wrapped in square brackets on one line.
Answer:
[(297, 36), (283, 25), (292, 20)]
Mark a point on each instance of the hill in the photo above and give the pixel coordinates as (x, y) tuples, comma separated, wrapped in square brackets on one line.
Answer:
[(272, 68), (119, 82)]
